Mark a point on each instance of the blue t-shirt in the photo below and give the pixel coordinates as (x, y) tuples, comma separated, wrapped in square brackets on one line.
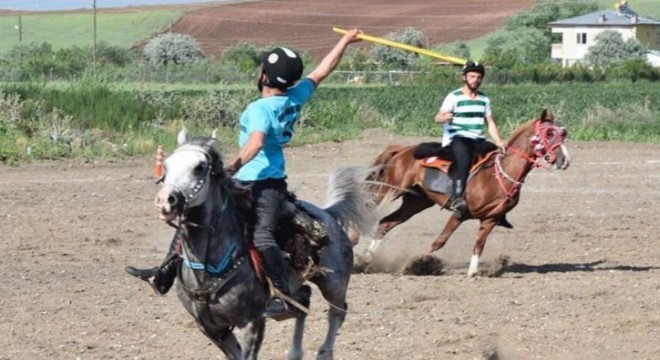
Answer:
[(274, 116)]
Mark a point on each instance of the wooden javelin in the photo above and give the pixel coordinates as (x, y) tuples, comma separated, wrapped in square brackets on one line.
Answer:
[(398, 45)]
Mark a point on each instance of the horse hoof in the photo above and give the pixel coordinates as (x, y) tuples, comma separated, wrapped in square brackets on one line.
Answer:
[(324, 355), (294, 355)]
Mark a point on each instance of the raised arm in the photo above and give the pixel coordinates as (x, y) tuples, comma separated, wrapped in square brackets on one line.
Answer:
[(331, 60)]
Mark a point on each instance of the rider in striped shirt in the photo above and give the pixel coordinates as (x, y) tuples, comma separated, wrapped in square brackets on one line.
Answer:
[(465, 113)]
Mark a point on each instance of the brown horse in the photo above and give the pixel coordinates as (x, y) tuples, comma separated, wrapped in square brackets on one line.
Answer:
[(493, 188)]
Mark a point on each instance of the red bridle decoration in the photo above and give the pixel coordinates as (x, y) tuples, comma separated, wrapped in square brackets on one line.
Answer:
[(546, 139)]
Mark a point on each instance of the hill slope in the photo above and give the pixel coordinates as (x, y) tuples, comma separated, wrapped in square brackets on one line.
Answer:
[(307, 25)]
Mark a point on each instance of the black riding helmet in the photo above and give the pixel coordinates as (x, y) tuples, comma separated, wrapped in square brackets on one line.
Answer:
[(472, 66), (283, 67)]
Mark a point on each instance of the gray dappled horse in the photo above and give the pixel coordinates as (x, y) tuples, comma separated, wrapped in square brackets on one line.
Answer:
[(218, 283)]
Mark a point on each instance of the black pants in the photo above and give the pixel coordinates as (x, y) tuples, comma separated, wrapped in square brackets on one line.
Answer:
[(269, 199), (463, 149)]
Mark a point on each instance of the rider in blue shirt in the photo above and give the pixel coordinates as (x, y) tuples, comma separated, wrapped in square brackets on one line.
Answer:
[(266, 126)]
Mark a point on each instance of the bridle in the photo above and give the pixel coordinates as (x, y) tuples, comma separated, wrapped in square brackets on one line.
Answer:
[(547, 137), (186, 197), (229, 264)]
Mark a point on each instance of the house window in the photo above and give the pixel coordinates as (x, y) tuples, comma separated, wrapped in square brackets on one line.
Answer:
[(581, 38)]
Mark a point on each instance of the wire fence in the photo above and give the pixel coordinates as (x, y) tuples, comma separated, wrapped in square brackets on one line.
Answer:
[(200, 75)]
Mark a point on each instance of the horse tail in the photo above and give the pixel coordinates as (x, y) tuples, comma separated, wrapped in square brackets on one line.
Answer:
[(348, 199)]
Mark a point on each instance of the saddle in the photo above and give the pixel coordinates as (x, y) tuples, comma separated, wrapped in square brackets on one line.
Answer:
[(299, 234), (438, 160)]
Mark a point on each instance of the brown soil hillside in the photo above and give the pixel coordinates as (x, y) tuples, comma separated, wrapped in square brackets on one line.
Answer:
[(307, 25)]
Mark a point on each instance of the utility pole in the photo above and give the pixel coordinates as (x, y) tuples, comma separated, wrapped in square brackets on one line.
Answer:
[(94, 46), (20, 29)]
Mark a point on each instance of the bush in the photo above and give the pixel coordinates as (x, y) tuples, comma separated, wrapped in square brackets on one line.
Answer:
[(244, 56), (399, 59), (509, 48), (634, 69), (611, 49), (107, 54), (173, 48)]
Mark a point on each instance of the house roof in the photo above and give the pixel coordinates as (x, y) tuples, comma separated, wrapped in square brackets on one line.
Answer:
[(611, 18)]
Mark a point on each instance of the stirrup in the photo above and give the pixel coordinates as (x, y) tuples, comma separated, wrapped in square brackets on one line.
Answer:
[(277, 309), (278, 296)]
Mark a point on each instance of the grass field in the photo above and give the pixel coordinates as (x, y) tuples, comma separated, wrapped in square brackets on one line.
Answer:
[(64, 29), (646, 8)]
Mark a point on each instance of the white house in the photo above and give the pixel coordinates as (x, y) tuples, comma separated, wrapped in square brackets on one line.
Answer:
[(578, 33)]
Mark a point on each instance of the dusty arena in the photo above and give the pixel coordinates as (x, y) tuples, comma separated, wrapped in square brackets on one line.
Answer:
[(583, 280)]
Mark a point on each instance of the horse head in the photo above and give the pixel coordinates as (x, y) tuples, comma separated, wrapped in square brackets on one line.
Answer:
[(543, 141), (191, 173)]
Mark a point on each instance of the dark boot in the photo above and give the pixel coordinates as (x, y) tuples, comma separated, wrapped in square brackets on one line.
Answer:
[(458, 202), (276, 270), (505, 223), (160, 278)]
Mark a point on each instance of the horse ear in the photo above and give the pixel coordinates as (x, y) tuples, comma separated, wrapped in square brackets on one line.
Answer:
[(547, 115), (214, 134), (182, 138)]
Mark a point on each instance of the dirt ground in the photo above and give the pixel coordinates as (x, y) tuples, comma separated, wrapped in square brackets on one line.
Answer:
[(584, 283)]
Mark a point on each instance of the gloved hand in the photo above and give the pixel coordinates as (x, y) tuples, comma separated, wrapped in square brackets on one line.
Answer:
[(229, 171)]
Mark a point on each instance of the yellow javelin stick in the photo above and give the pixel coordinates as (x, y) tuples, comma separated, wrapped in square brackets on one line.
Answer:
[(402, 46)]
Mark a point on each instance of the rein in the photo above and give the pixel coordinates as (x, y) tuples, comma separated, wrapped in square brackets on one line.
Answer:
[(541, 147), (228, 265)]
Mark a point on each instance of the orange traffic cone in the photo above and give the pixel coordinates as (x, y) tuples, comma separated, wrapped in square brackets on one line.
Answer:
[(158, 170)]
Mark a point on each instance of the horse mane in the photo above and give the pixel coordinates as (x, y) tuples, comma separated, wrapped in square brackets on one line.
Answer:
[(239, 198), (211, 146), (522, 129)]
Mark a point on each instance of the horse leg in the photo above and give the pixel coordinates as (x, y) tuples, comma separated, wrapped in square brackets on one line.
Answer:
[(296, 351), (221, 336), (333, 286), (411, 205), (224, 339), (253, 337), (452, 224), (485, 228)]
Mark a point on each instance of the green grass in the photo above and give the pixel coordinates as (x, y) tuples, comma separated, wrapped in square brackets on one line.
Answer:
[(63, 29), (478, 45), (646, 8), (100, 120)]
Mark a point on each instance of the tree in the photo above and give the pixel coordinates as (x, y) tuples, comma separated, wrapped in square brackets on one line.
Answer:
[(610, 49), (356, 59), (459, 48), (508, 48), (545, 12), (539, 16), (112, 54), (245, 56), (173, 48), (395, 58)]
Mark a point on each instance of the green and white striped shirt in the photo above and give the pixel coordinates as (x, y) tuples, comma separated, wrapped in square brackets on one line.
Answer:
[(469, 116)]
